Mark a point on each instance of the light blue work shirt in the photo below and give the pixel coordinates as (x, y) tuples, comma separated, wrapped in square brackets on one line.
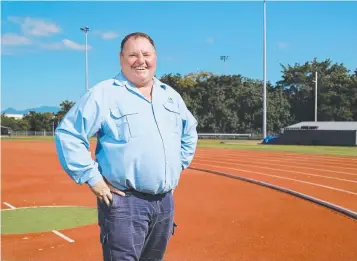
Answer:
[(140, 144)]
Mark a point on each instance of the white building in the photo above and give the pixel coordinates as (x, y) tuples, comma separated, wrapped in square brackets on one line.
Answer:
[(16, 116)]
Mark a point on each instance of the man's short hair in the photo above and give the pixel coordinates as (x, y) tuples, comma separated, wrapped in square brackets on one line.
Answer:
[(135, 35)]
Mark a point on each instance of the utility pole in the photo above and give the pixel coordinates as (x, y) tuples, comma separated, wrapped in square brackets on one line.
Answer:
[(315, 81), (224, 58), (85, 30), (265, 77)]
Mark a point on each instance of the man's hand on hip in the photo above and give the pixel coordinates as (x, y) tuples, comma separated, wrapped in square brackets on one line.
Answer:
[(102, 191)]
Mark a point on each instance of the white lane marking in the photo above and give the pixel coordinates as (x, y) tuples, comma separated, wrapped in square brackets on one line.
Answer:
[(9, 205), (63, 236), (280, 177), (288, 165), (276, 169)]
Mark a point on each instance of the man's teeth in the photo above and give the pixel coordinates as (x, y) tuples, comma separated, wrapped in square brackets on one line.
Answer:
[(140, 68)]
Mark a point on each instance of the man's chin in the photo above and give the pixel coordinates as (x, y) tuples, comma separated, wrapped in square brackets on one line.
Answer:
[(142, 80)]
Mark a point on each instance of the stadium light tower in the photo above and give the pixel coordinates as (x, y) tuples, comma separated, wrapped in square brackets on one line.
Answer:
[(264, 76), (298, 80), (315, 81), (85, 29), (224, 58)]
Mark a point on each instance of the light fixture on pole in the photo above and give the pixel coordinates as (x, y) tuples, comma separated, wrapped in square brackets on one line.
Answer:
[(224, 58), (85, 30), (264, 77), (315, 81)]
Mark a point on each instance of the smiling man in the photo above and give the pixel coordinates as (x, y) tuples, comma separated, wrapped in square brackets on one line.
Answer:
[(146, 136)]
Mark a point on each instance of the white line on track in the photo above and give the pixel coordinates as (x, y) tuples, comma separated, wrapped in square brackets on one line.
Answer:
[(282, 159), (256, 153), (251, 160), (9, 205), (275, 169), (53, 231), (280, 177), (63, 236)]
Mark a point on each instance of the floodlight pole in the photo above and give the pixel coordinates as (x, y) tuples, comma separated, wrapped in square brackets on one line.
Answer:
[(265, 78), (224, 58), (315, 81), (85, 30)]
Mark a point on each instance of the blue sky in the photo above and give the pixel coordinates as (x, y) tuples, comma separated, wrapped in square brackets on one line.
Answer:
[(43, 48)]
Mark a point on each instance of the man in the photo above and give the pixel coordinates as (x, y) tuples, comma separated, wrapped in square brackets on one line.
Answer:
[(145, 137)]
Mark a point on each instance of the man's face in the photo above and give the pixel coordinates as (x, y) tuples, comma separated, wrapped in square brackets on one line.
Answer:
[(138, 61)]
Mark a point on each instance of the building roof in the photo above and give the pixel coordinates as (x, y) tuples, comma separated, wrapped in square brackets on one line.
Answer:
[(12, 115), (325, 125)]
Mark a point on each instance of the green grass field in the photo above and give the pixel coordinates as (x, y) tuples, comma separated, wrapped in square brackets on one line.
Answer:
[(41, 219), (243, 145), (254, 145)]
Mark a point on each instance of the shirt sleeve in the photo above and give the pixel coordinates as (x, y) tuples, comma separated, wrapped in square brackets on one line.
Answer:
[(189, 135), (72, 135)]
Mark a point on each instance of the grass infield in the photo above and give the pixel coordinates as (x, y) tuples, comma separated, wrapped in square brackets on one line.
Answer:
[(43, 219), (240, 145)]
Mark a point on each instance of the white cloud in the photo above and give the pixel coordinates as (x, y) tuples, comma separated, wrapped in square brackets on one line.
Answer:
[(53, 46), (106, 35), (65, 44), (35, 27), (74, 46), (283, 45), (109, 35), (15, 39), (5, 51)]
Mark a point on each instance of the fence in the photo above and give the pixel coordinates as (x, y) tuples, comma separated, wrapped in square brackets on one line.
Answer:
[(245, 136), (224, 136), (31, 133)]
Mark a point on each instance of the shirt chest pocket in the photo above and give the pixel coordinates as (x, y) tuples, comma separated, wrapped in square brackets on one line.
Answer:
[(124, 124), (172, 117)]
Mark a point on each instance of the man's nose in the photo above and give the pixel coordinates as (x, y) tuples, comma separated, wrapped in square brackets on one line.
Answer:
[(141, 58)]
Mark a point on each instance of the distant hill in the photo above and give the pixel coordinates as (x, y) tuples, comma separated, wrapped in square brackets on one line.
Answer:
[(41, 109)]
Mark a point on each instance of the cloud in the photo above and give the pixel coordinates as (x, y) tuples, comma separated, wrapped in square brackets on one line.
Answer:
[(35, 27), (283, 45), (17, 50), (5, 51), (106, 35), (15, 39), (65, 44), (74, 46), (109, 35), (210, 40), (53, 46)]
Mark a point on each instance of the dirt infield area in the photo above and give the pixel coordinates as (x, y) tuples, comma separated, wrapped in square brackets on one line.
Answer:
[(219, 218)]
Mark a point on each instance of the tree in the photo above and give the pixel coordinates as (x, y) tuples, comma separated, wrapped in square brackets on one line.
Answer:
[(37, 121), (14, 124), (65, 107), (334, 103)]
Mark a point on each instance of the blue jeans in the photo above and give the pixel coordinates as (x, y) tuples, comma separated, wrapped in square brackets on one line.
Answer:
[(136, 227)]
